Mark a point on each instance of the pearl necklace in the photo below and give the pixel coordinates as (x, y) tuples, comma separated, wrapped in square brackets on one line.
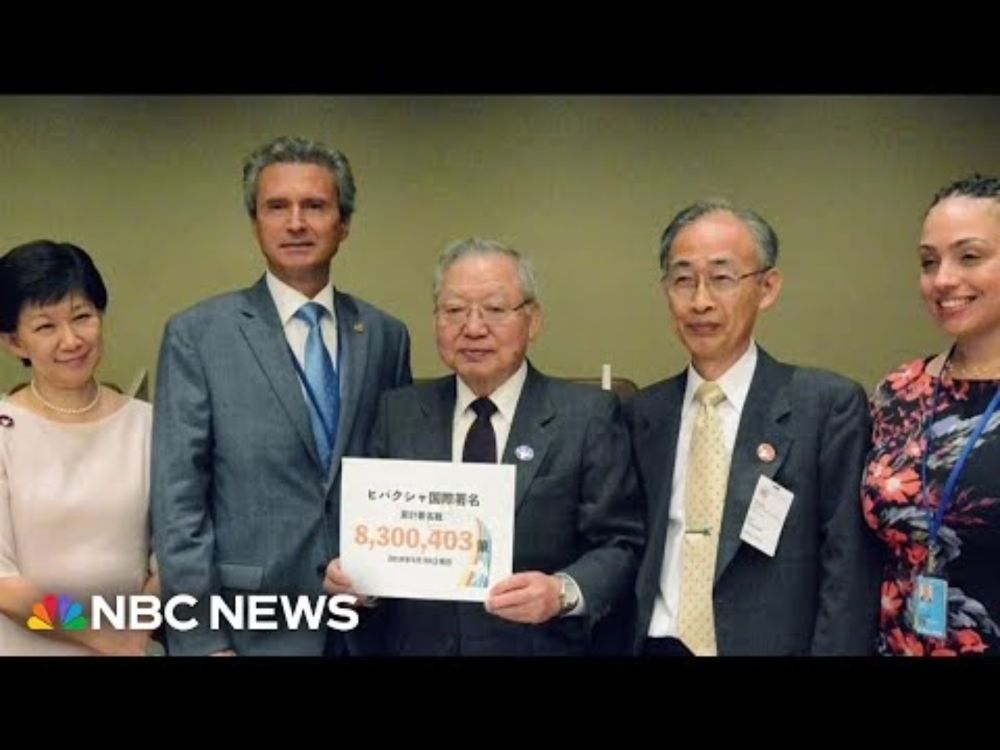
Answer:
[(64, 409)]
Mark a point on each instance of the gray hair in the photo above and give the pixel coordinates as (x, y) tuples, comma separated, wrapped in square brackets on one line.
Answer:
[(765, 239), (293, 150), (473, 246)]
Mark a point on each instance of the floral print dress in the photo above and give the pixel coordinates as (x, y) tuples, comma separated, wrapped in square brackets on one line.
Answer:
[(893, 504)]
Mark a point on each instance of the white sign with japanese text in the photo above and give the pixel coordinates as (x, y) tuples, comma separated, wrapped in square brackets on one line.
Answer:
[(426, 529)]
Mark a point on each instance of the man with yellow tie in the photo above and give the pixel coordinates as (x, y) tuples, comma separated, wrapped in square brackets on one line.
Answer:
[(751, 468)]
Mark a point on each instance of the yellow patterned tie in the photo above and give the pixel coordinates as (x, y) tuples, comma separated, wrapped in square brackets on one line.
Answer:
[(707, 476)]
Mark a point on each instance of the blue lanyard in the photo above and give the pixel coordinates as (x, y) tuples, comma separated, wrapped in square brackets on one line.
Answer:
[(323, 418), (949, 487)]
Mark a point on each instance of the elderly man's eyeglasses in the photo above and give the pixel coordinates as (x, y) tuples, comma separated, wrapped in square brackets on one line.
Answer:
[(684, 281), (458, 314)]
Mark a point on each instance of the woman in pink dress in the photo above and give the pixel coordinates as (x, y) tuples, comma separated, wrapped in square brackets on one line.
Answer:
[(74, 464)]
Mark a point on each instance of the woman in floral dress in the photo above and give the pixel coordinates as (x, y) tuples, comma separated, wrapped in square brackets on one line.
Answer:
[(931, 491)]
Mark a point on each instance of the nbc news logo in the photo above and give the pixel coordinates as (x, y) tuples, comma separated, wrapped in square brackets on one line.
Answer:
[(54, 612)]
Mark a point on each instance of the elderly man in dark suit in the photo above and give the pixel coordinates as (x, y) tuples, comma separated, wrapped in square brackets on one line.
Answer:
[(260, 393), (750, 468), (577, 526)]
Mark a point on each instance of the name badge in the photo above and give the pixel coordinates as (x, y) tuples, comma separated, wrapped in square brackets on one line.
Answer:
[(929, 606), (769, 507)]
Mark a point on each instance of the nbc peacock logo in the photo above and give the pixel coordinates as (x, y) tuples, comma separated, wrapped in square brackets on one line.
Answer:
[(54, 612)]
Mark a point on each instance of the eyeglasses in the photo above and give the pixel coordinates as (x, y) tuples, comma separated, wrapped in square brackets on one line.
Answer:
[(458, 314), (683, 281)]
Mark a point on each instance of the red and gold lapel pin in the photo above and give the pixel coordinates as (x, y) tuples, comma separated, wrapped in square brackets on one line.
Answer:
[(765, 452)]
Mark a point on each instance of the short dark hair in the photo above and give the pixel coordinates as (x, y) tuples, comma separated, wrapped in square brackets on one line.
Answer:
[(42, 272), (976, 185)]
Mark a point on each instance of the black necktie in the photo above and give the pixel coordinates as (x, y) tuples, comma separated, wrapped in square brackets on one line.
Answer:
[(481, 441)]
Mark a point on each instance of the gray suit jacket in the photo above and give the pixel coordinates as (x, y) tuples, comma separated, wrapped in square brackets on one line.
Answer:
[(819, 593), (576, 510), (239, 501)]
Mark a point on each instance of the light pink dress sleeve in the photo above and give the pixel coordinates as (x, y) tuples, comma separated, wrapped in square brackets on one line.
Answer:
[(74, 511), (8, 554)]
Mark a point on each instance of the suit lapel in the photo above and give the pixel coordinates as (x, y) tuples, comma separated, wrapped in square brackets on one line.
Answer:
[(437, 404), (352, 344), (656, 432), (764, 421), (265, 336), (530, 429)]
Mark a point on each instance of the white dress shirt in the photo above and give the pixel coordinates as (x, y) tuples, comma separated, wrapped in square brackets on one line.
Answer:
[(505, 398), (288, 301), (735, 384)]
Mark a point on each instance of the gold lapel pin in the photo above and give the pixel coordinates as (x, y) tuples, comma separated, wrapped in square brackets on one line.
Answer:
[(765, 452), (359, 327)]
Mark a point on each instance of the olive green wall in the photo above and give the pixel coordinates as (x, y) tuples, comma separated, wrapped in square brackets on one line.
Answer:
[(583, 185)]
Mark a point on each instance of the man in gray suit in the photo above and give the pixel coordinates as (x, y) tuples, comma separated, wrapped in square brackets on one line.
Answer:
[(259, 394), (725, 571), (577, 527)]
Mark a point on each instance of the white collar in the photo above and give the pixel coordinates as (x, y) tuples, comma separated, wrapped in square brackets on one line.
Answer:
[(734, 382), (504, 398), (288, 300)]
